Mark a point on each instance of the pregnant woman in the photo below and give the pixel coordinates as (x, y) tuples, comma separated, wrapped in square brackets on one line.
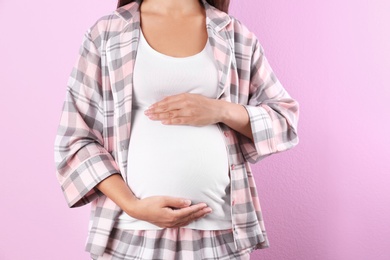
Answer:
[(168, 103)]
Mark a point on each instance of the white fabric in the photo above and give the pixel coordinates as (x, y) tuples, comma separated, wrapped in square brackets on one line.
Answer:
[(176, 160)]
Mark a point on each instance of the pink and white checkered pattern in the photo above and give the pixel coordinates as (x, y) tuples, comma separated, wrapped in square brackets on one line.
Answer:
[(172, 244)]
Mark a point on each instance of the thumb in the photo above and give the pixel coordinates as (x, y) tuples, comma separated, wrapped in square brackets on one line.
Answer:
[(176, 202)]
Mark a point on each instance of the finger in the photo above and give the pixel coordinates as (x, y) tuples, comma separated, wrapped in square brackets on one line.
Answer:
[(179, 121), (166, 109), (162, 116), (173, 102), (176, 203), (191, 212), (192, 217), (161, 105), (180, 116)]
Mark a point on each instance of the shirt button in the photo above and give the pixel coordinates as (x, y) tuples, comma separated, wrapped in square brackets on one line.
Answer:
[(232, 166), (226, 134)]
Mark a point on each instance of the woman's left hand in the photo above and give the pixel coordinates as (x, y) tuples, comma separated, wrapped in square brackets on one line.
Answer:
[(186, 109), (198, 110)]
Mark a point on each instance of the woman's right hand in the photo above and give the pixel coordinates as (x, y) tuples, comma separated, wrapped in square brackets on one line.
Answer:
[(162, 211), (167, 212)]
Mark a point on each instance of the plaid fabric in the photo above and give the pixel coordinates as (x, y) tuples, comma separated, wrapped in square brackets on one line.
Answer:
[(172, 244), (94, 130)]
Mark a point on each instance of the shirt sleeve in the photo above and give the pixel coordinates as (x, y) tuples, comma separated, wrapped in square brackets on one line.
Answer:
[(272, 112), (80, 157)]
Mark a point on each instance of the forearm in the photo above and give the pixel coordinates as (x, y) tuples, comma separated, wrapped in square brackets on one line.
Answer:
[(162, 211), (235, 116), (115, 188)]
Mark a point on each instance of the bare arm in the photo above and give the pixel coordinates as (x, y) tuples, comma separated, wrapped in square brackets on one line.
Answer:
[(236, 117), (117, 190), (162, 211)]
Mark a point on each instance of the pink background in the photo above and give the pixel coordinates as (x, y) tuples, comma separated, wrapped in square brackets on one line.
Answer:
[(329, 198)]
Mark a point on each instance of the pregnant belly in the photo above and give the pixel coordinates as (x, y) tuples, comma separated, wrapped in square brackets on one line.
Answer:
[(180, 161)]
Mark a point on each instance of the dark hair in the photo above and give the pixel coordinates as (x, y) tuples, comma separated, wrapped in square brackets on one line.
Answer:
[(222, 5)]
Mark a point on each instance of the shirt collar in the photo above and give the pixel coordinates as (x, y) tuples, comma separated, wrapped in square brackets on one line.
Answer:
[(214, 17)]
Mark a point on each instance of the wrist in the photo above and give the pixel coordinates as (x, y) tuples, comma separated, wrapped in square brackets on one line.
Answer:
[(236, 117), (131, 207), (222, 111)]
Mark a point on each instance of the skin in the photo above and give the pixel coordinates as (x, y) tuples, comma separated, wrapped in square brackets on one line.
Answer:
[(176, 28)]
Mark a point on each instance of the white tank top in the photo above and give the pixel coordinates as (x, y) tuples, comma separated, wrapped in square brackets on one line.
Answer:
[(175, 160)]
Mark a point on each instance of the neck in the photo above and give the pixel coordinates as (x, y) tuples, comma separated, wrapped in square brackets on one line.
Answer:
[(171, 7)]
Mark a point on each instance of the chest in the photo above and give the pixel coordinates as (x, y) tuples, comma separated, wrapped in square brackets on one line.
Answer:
[(120, 61), (175, 36)]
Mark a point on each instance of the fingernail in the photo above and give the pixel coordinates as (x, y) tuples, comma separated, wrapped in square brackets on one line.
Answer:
[(203, 205), (208, 210), (187, 202)]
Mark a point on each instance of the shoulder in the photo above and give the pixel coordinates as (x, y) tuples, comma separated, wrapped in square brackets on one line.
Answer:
[(243, 36), (111, 24), (241, 28)]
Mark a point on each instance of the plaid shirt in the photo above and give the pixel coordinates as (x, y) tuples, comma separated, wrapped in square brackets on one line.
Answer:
[(94, 131)]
